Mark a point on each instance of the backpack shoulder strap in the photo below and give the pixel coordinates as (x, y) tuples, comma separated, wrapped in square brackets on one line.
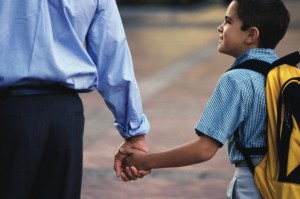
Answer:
[(264, 67), (291, 59), (255, 65)]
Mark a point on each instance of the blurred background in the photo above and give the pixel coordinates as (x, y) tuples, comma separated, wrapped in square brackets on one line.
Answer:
[(177, 65)]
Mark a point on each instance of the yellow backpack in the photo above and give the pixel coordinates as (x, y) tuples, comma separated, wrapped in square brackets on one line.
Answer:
[(278, 174)]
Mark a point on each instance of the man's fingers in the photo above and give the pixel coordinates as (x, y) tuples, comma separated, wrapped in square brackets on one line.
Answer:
[(126, 150), (119, 158), (118, 168)]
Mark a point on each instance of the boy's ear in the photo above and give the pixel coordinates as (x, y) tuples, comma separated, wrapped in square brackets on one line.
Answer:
[(252, 35)]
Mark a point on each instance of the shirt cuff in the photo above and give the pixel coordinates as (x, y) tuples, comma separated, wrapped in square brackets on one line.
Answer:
[(127, 132), (199, 133)]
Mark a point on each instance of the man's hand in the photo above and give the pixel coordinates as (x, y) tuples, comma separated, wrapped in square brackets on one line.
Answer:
[(136, 142)]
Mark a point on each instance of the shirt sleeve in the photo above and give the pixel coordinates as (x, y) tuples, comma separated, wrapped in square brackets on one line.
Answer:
[(107, 46), (224, 111)]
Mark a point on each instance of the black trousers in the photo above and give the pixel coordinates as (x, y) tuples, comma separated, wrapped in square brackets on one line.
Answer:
[(41, 146)]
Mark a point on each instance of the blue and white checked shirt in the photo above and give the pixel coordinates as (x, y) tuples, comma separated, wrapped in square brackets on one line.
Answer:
[(238, 102), (42, 42)]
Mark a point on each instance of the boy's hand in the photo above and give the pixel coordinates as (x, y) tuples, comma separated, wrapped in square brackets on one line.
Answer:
[(134, 158)]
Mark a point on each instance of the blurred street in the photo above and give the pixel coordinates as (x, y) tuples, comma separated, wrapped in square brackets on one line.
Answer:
[(177, 66)]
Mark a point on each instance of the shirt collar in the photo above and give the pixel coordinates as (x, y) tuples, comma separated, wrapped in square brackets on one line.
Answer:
[(263, 54)]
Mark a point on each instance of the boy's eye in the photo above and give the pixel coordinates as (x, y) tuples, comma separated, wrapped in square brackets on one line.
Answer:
[(227, 20)]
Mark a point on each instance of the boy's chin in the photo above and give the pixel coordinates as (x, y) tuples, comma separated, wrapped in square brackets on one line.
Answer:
[(221, 50), (226, 53)]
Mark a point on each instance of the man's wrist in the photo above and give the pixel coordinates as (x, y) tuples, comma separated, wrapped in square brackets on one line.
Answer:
[(136, 138)]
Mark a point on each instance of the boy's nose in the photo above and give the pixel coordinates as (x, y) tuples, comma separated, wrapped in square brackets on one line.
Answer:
[(220, 28)]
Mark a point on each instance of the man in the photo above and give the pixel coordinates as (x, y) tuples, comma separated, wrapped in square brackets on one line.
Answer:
[(44, 64)]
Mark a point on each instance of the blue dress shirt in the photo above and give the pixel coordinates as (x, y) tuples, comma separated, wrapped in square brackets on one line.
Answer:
[(79, 44), (238, 102)]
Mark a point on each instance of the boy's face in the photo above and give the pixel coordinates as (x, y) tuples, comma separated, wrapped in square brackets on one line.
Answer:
[(232, 38)]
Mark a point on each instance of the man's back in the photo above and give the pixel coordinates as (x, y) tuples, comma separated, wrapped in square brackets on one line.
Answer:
[(43, 40)]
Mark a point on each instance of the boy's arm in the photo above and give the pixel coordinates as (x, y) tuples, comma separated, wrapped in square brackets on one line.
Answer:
[(200, 150)]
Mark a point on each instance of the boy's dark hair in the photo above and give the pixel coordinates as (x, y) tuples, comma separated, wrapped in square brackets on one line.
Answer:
[(270, 17)]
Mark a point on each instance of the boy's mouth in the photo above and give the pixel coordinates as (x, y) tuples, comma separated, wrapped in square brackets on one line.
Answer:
[(220, 39)]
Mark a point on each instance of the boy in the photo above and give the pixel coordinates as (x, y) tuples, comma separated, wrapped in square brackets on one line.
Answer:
[(251, 30)]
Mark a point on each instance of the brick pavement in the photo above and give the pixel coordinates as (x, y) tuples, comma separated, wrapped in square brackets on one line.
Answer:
[(177, 66)]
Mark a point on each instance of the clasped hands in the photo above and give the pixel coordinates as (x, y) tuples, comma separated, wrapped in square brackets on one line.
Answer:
[(126, 164)]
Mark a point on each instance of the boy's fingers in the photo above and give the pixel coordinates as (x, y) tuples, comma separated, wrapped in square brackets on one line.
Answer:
[(143, 172), (129, 174), (124, 177), (135, 172)]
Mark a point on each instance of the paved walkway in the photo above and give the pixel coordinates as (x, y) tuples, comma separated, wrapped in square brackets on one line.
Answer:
[(177, 66)]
